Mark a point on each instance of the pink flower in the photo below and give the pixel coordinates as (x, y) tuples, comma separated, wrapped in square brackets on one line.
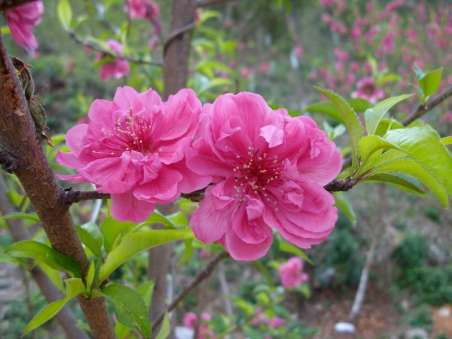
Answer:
[(341, 55), (269, 170), (298, 51), (447, 117), (134, 148), (276, 322), (388, 43), (147, 10), (118, 67), (366, 89), (259, 318), (190, 320), (21, 21), (291, 274), (245, 73), (264, 67)]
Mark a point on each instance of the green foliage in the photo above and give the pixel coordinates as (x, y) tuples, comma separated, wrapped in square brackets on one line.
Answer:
[(130, 307), (412, 252), (165, 328), (345, 206), (421, 316), (91, 237), (429, 82), (42, 253), (65, 13), (74, 287), (135, 242)]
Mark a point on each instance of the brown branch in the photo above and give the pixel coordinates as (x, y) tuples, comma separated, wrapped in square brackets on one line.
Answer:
[(339, 185), (8, 4), (200, 277), (176, 33), (422, 109), (17, 135), (206, 3), (108, 52)]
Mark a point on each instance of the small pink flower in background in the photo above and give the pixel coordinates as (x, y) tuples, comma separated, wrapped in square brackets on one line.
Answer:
[(354, 67), (268, 170), (264, 67), (146, 10), (388, 43), (245, 72), (411, 35), (447, 117), (371, 34), (276, 322), (134, 148), (327, 2), (259, 318), (22, 20), (337, 27), (299, 52), (118, 67), (341, 55), (366, 89), (190, 320), (291, 273)]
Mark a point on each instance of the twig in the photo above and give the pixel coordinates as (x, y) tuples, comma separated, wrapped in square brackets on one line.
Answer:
[(339, 185), (176, 33), (206, 3), (428, 106), (108, 52), (201, 276)]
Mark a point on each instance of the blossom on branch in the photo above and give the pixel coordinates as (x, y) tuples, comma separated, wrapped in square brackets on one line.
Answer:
[(134, 148), (22, 20), (146, 10), (268, 170), (115, 68), (291, 273)]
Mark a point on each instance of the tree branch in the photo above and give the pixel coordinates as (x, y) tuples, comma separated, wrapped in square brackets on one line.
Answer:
[(422, 109), (8, 4), (17, 135), (200, 277), (108, 52)]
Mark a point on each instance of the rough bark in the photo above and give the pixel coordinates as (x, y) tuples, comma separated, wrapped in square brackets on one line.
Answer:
[(18, 136), (51, 293), (175, 75)]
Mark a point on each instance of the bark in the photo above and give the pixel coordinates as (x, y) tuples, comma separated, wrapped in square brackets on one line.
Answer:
[(18, 136), (175, 75), (51, 293)]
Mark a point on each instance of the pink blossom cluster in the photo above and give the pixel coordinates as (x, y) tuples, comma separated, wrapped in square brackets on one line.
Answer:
[(115, 68), (291, 273), (146, 10), (202, 328), (261, 318), (22, 20), (263, 171)]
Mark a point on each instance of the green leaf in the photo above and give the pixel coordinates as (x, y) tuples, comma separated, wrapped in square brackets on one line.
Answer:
[(345, 206), (91, 237), (387, 124), (90, 275), (369, 144), (135, 242), (130, 307), (65, 13), (410, 167), (112, 230), (397, 180), (447, 140), (21, 216), (289, 248), (165, 328), (346, 114), (424, 145), (45, 254), (159, 218), (430, 82), (74, 287), (374, 115)]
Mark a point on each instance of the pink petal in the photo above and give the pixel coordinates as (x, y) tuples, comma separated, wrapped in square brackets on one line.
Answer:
[(163, 189), (273, 135), (126, 207), (242, 251)]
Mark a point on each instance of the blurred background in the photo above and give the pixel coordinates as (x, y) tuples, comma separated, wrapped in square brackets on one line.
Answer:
[(279, 49)]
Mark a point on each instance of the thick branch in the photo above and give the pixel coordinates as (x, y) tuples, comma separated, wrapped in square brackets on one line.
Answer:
[(17, 135), (107, 52), (200, 277), (7, 4)]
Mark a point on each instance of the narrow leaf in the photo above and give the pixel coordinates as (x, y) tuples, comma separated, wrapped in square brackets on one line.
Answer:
[(165, 328), (65, 13), (345, 206), (135, 242), (374, 115), (430, 81)]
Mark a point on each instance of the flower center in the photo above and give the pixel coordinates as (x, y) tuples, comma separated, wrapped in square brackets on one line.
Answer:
[(255, 173), (133, 131)]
